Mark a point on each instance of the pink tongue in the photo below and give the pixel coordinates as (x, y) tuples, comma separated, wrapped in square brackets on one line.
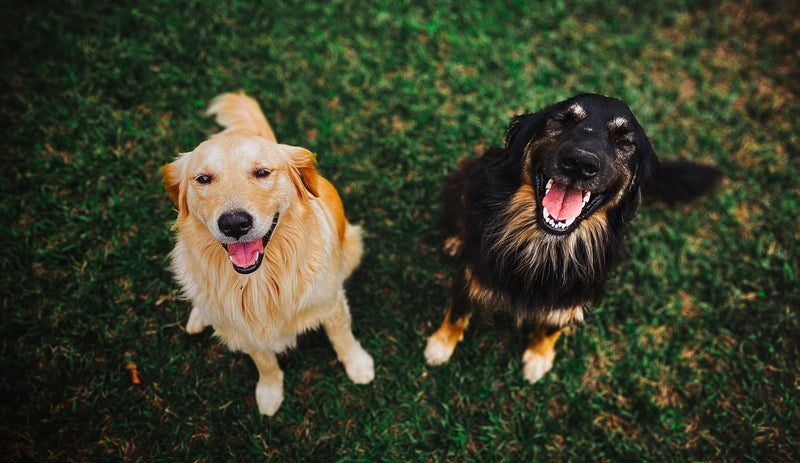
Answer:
[(244, 255), (563, 202)]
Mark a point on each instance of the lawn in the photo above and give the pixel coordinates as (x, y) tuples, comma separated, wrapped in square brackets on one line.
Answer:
[(691, 356)]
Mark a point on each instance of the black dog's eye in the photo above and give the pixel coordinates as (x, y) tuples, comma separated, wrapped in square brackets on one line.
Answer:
[(262, 173), (572, 116), (568, 118), (620, 136), (203, 179), (621, 139)]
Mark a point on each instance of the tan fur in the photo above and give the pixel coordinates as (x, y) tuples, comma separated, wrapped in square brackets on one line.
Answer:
[(539, 355), (578, 111), (333, 203), (539, 246), (541, 343), (313, 248), (481, 294), (442, 343), (491, 299)]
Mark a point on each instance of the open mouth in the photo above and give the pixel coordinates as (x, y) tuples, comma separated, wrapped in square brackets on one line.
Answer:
[(246, 256), (563, 206)]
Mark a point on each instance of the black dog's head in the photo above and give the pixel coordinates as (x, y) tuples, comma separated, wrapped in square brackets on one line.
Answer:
[(582, 155)]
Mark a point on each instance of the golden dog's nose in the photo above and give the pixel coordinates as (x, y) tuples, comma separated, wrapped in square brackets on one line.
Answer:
[(235, 224)]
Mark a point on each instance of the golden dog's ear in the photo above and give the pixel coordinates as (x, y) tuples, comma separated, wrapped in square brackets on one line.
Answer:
[(173, 179), (304, 172)]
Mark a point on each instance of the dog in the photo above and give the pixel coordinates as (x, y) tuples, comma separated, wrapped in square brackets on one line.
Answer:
[(536, 225), (263, 246)]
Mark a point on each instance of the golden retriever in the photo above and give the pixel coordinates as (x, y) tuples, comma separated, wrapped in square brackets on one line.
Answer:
[(263, 246)]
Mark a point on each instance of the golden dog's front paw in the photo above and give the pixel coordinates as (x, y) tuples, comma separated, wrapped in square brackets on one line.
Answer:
[(269, 397), (360, 367), (536, 365), (196, 324)]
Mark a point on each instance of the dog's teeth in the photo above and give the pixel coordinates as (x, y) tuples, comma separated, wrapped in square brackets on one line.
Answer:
[(545, 213), (548, 186), (586, 196), (569, 222)]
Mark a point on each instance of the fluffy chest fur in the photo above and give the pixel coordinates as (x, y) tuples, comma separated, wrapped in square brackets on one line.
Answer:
[(289, 294), (510, 262)]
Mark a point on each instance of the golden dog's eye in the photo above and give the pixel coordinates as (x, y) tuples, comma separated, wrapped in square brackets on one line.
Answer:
[(262, 173), (203, 179)]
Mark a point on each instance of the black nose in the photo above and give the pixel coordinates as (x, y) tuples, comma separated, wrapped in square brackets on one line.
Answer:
[(580, 165), (235, 224)]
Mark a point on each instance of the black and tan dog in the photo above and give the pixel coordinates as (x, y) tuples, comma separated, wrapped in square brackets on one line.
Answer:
[(536, 224)]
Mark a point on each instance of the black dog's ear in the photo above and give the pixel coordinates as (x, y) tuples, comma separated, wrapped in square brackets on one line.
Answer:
[(648, 161), (523, 129)]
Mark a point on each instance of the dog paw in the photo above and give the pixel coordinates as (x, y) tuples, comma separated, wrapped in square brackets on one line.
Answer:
[(196, 323), (439, 349), (452, 245), (359, 367), (269, 397), (536, 365)]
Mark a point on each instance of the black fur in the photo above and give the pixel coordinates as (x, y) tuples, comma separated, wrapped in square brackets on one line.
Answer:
[(591, 143), (681, 181)]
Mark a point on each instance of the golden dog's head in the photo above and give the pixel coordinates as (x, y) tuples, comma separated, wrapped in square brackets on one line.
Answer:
[(236, 186)]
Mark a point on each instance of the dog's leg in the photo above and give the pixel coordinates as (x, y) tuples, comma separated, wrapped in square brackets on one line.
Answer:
[(196, 322), (538, 356), (269, 391), (443, 342), (357, 362)]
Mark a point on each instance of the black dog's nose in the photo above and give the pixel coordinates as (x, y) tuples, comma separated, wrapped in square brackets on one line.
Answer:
[(235, 224), (580, 165)]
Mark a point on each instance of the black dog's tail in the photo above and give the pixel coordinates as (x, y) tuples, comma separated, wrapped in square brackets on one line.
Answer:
[(681, 180)]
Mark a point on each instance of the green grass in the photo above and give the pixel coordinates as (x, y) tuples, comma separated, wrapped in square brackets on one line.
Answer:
[(692, 355)]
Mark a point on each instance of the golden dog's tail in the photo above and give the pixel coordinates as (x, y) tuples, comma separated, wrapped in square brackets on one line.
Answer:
[(239, 112), (352, 248)]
